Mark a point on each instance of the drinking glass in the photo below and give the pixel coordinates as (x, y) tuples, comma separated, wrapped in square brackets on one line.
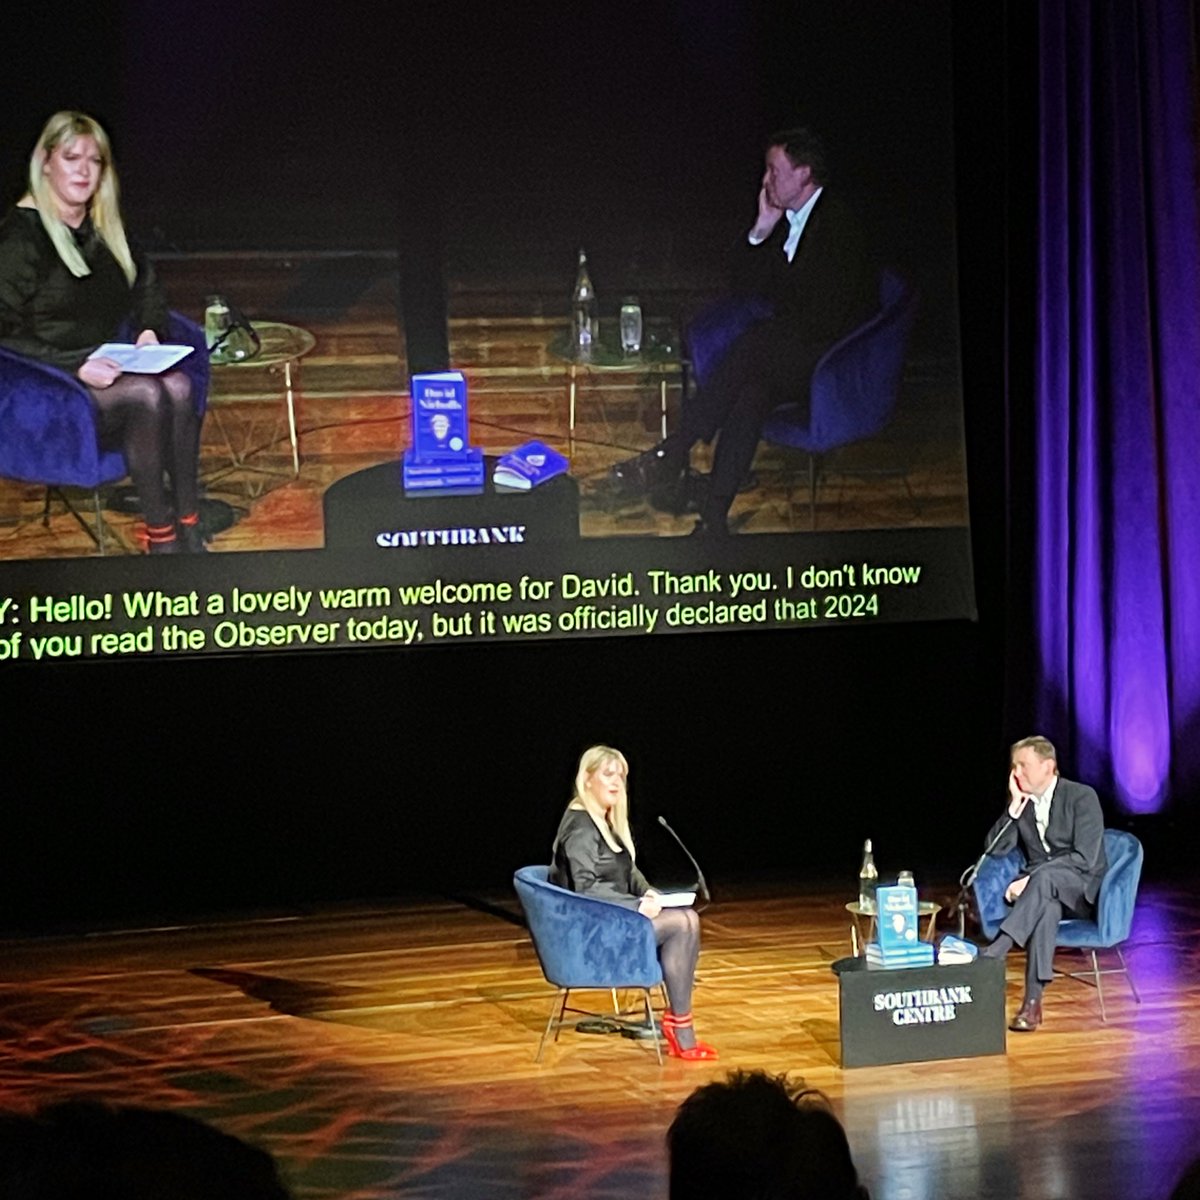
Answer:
[(631, 326)]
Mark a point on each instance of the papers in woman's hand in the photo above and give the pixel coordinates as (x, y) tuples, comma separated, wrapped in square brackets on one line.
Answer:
[(152, 358), (676, 899)]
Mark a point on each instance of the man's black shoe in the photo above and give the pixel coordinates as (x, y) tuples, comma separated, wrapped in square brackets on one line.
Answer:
[(683, 493), (646, 472), (710, 529), (1028, 1018)]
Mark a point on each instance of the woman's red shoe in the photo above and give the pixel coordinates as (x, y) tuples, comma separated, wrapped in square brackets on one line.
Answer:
[(671, 1025)]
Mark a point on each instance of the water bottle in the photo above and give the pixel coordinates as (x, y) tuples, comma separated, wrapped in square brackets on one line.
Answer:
[(631, 326), (868, 879), (585, 320), (216, 326)]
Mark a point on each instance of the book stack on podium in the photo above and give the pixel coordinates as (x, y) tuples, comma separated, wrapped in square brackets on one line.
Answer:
[(899, 943), (439, 459)]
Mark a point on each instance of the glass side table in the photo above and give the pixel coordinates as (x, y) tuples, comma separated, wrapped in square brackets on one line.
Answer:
[(283, 346), (659, 361)]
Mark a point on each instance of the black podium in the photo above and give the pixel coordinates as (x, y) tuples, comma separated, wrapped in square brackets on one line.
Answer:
[(370, 510), (915, 1014)]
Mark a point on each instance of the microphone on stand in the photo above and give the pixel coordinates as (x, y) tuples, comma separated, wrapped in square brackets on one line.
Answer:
[(967, 878), (701, 886)]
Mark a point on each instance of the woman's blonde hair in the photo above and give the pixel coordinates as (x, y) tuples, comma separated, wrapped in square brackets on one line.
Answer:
[(613, 823), (65, 127)]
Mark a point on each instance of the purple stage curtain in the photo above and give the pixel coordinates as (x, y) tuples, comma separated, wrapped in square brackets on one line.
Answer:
[(1117, 460)]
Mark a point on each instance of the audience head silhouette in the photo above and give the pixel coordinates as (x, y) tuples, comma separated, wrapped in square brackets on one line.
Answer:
[(81, 1150), (759, 1136), (1188, 1187)]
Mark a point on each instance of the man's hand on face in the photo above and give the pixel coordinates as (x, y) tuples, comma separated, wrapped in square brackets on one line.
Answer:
[(1017, 799), (768, 216)]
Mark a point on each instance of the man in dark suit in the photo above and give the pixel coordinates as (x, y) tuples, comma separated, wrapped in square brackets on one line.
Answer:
[(1061, 830), (802, 271)]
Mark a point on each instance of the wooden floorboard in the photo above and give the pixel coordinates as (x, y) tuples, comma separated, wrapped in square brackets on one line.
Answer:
[(352, 409), (387, 1050)]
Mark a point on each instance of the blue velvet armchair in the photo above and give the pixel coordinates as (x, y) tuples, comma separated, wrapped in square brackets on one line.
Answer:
[(855, 386), (48, 425), (1114, 907), (587, 944)]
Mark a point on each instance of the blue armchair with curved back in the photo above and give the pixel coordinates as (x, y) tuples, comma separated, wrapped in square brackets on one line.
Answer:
[(586, 944), (855, 386), (48, 424), (1114, 907)]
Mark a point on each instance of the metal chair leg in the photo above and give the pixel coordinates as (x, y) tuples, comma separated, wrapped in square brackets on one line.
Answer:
[(99, 521), (812, 491), (1128, 976), (560, 1003), (653, 1030), (1099, 986)]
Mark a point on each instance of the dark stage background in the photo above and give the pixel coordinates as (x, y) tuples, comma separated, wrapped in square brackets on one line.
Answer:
[(185, 787)]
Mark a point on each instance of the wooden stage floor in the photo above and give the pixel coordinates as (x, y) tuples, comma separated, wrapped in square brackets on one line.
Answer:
[(387, 1050)]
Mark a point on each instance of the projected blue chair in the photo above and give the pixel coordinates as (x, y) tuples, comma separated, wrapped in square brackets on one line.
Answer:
[(1114, 907), (586, 944), (48, 426), (855, 387)]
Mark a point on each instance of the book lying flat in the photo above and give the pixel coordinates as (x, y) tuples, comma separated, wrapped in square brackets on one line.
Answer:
[(151, 359), (529, 465), (954, 951), (676, 899)]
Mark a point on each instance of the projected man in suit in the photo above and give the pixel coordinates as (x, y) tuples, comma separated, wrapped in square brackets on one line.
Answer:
[(1061, 830), (802, 275)]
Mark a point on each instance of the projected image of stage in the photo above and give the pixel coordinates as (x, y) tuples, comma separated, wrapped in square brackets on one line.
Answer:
[(797, 346)]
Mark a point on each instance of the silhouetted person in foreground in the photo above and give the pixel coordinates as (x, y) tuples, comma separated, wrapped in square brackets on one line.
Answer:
[(758, 1135), (82, 1150), (1188, 1187)]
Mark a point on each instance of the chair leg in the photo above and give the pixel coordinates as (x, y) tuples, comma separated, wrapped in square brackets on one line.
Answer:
[(99, 520), (812, 491), (653, 1030), (1099, 986), (1128, 976), (96, 534), (555, 1022)]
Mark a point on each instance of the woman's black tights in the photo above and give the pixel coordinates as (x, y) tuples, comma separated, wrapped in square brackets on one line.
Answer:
[(677, 933), (152, 420)]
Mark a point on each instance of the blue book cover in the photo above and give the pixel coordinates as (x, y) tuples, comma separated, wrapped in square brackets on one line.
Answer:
[(458, 479), (953, 950), (439, 415), (470, 461), (896, 918), (465, 472), (528, 465), (920, 955)]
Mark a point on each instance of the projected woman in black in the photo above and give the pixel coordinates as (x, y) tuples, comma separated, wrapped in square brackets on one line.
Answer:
[(68, 281), (594, 854)]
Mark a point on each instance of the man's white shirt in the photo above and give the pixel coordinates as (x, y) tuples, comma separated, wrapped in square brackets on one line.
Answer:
[(796, 219), (1041, 811)]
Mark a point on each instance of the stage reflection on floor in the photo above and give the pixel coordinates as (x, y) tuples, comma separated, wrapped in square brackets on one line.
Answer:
[(388, 1050)]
